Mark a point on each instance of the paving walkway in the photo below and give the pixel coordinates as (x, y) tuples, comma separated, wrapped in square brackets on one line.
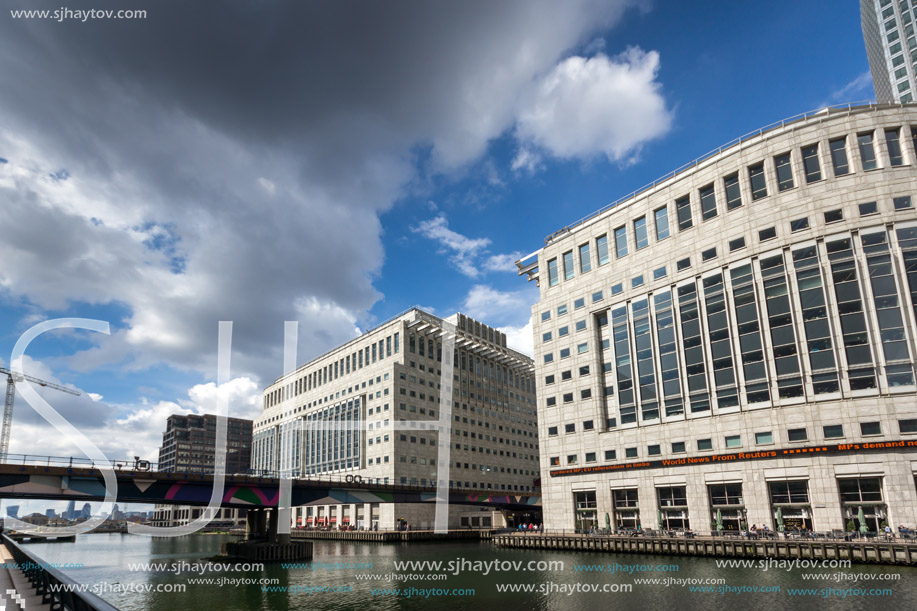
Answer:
[(15, 590)]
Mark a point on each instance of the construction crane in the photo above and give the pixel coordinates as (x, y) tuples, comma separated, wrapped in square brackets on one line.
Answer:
[(11, 379)]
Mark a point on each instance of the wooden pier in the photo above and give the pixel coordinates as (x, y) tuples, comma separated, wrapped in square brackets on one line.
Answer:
[(862, 551)]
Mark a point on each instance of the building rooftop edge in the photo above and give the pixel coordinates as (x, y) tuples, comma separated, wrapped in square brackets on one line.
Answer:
[(386, 322), (525, 263)]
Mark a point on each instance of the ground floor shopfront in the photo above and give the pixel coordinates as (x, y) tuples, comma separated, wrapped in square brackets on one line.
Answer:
[(400, 516), (822, 493)]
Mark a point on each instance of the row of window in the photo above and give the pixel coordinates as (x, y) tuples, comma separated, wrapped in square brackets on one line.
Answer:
[(764, 438), (352, 362), (769, 233), (729, 191), (704, 343), (893, 42), (830, 432)]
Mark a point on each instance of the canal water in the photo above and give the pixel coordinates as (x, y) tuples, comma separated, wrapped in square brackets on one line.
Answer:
[(107, 560)]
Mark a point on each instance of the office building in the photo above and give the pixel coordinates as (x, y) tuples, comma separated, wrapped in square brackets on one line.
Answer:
[(891, 46), (734, 344), (371, 409), (188, 445)]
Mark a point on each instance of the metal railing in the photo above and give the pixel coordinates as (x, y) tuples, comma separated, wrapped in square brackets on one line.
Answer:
[(861, 106), (760, 535), (53, 585)]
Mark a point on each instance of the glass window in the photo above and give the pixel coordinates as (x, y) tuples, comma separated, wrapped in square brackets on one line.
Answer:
[(683, 263), (601, 249), (654, 450), (704, 444), (579, 303), (784, 172), (568, 265), (797, 435), (733, 192), (683, 210), (733, 441), (561, 310), (661, 217), (546, 316), (758, 183), (870, 428), (585, 264), (637, 281), (902, 203), (834, 431), (546, 337), (867, 152), (894, 147), (640, 232), (678, 447), (617, 289), (767, 234), (552, 430), (764, 438), (868, 208), (736, 244), (810, 163), (621, 242), (659, 273), (907, 426), (569, 428), (708, 254), (552, 272), (839, 156), (609, 454), (597, 296), (799, 224), (832, 216), (630, 452), (707, 202)]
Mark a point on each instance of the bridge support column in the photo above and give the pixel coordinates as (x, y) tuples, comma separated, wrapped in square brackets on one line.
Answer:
[(255, 527)]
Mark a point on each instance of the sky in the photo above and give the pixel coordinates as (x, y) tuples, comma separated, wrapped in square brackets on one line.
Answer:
[(336, 163)]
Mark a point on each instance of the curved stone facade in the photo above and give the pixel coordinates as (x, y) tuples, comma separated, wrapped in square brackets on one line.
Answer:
[(736, 345)]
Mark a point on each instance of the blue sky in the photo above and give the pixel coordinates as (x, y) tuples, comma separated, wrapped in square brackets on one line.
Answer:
[(339, 176)]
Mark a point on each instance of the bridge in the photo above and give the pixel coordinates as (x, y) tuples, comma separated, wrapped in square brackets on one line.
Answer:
[(73, 479)]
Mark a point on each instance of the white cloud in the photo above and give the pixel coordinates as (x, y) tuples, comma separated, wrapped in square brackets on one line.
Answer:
[(125, 431), (527, 160), (269, 187), (854, 91), (508, 311), (502, 263), (596, 106), (94, 396), (499, 307), (470, 256), (463, 250), (520, 339)]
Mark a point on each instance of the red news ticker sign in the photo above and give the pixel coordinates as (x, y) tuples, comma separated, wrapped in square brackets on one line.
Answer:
[(841, 448)]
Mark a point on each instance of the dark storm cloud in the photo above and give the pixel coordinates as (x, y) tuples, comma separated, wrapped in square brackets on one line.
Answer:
[(266, 136)]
